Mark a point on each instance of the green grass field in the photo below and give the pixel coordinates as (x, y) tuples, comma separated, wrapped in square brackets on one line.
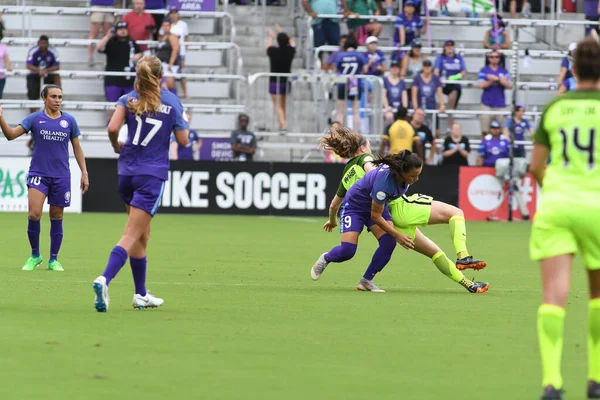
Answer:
[(243, 320)]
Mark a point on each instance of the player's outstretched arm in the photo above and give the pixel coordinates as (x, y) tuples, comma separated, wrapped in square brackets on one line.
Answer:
[(10, 133), (80, 157), (333, 211)]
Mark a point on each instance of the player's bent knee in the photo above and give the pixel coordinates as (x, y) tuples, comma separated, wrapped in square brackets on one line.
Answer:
[(35, 215), (348, 251)]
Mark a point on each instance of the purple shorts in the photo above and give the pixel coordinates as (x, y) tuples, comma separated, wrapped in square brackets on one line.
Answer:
[(57, 190), (354, 221), (282, 88), (141, 191), (113, 93)]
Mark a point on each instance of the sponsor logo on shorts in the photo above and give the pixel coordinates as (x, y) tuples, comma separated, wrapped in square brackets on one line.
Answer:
[(381, 196), (64, 124), (67, 197)]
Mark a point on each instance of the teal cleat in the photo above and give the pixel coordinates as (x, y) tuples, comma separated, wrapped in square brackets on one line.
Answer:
[(54, 265), (31, 263)]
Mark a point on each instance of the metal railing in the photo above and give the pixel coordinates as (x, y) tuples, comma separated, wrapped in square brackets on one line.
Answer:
[(235, 61), (322, 93), (228, 26)]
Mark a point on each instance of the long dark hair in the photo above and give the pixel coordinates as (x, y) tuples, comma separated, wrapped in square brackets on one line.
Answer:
[(400, 163)]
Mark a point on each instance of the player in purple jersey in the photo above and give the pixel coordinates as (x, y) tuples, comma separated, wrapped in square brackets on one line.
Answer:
[(365, 204), (49, 174), (151, 113)]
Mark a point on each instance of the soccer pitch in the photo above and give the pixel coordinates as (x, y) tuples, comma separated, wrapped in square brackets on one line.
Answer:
[(243, 320)]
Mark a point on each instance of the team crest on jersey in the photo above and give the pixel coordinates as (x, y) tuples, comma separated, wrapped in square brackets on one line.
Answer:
[(64, 124), (67, 197)]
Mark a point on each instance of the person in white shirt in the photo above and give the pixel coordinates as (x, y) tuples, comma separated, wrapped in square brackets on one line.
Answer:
[(180, 29)]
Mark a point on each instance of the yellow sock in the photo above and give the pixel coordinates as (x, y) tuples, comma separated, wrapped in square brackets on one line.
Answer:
[(550, 324), (458, 233), (594, 340), (447, 267)]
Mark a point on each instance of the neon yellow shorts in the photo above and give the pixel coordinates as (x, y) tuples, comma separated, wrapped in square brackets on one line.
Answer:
[(562, 228), (410, 212)]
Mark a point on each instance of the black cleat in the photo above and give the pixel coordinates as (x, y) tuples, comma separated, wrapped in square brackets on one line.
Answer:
[(550, 393), (470, 262), (593, 390), (478, 287)]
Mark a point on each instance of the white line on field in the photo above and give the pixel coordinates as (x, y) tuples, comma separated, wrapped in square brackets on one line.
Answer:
[(276, 285), (295, 219)]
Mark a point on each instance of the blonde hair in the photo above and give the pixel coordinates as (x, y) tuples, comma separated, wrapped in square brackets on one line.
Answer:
[(342, 141), (147, 84)]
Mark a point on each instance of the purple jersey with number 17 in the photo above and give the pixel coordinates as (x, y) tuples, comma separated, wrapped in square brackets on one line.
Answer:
[(146, 151)]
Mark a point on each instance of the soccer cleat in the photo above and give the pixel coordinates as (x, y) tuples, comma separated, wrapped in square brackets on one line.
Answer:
[(31, 263), (101, 290), (478, 287), (550, 393), (365, 285), (54, 265), (319, 267), (593, 390), (148, 301), (470, 262)]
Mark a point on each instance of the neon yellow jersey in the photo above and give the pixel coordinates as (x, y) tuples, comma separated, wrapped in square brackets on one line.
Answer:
[(353, 171), (570, 128)]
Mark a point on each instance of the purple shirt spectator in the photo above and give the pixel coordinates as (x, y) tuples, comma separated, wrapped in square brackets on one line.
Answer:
[(378, 58), (187, 152), (427, 91), (492, 149), (449, 66), (394, 92), (570, 84), (566, 63), (493, 96), (519, 129), (397, 56), (43, 60), (151, 155), (411, 27), (51, 143)]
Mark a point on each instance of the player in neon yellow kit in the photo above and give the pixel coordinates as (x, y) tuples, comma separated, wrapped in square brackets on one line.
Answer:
[(408, 212), (568, 216)]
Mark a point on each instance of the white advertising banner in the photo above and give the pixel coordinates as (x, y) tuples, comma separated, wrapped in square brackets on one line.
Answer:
[(462, 5), (13, 185)]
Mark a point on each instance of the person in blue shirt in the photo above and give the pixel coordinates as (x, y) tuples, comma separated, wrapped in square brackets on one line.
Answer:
[(366, 204), (409, 25), (516, 128), (350, 63), (494, 80), (567, 85), (493, 147), (42, 61), (49, 174), (566, 65), (151, 113), (450, 66), (375, 58)]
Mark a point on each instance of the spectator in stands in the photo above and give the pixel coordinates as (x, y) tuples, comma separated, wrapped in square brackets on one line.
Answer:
[(424, 134), (190, 151), (361, 28), (4, 59), (567, 85), (456, 147), (180, 29), (400, 135), (394, 93), (525, 9), (427, 90), (350, 63), (493, 147), (326, 30), (412, 64), (592, 13), (375, 58), (280, 60), (121, 55), (141, 24), (243, 142), (566, 65), (167, 52), (42, 61), (409, 25), (497, 37), (329, 65), (493, 79), (451, 66), (516, 128), (158, 18), (104, 20)]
